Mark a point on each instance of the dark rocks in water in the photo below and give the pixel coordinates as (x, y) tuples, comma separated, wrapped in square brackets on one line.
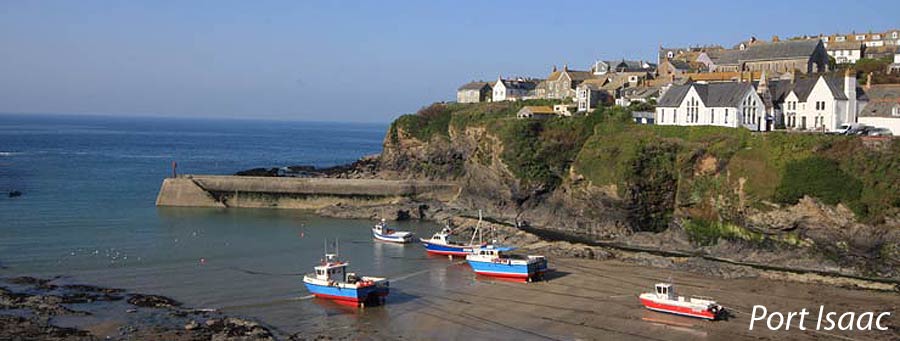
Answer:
[(20, 328), (259, 172), (153, 301), (366, 167), (39, 283), (13, 194)]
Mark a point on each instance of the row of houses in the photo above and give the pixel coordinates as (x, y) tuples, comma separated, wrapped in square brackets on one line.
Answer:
[(755, 84)]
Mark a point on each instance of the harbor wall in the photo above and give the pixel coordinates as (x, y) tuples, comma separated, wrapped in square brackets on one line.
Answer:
[(296, 193)]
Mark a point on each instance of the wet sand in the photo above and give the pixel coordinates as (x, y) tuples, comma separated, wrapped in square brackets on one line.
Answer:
[(586, 299)]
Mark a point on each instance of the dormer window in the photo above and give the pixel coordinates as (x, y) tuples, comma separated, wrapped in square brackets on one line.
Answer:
[(895, 35), (743, 46), (670, 54), (860, 37), (839, 38)]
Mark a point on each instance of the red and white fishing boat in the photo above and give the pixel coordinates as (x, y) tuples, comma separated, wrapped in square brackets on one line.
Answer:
[(664, 300)]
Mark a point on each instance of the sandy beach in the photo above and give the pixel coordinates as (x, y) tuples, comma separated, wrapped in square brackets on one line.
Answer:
[(587, 300)]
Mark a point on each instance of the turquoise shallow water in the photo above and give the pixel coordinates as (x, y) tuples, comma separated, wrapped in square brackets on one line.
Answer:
[(88, 213)]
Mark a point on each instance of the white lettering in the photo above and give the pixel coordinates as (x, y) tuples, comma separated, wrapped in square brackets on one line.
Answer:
[(780, 321), (754, 318), (868, 325), (878, 321), (849, 325)]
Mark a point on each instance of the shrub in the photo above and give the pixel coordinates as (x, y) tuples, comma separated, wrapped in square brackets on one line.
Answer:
[(817, 177)]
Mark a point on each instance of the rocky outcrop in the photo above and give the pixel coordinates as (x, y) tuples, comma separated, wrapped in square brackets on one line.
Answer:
[(25, 314)]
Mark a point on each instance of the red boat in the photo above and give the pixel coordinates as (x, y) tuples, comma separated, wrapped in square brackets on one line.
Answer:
[(664, 300)]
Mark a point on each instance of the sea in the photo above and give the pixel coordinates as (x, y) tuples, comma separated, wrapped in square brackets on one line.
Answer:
[(87, 214)]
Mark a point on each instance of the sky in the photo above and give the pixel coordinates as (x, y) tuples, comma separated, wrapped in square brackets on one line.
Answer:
[(361, 61)]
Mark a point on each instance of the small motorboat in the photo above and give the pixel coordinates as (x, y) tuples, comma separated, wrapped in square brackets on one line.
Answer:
[(441, 243), (664, 300), (381, 231), (495, 261), (332, 281)]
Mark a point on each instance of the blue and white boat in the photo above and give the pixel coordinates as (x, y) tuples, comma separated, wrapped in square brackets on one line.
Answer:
[(495, 261), (381, 231), (332, 281), (442, 244)]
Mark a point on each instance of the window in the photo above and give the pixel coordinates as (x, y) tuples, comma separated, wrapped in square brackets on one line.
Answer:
[(860, 37), (712, 115), (693, 110), (895, 111), (726, 116), (894, 35), (839, 38)]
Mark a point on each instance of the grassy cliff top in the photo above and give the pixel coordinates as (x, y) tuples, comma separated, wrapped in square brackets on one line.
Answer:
[(607, 148)]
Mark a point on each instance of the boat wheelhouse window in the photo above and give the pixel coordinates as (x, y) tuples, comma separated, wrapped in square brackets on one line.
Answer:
[(320, 272)]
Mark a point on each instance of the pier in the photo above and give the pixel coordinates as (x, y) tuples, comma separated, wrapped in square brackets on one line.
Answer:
[(295, 193)]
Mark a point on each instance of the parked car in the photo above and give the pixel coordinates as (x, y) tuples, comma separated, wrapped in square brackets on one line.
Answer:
[(848, 128), (880, 132)]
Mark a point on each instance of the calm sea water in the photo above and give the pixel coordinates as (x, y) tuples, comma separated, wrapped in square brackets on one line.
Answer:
[(88, 214)]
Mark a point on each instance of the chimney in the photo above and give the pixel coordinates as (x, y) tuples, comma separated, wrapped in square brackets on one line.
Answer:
[(850, 92), (554, 68), (775, 39), (566, 67)]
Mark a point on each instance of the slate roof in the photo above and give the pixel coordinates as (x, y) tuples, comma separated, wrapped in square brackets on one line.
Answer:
[(845, 45), (780, 50), (882, 99), (674, 96), (574, 75), (474, 86), (521, 85), (727, 94)]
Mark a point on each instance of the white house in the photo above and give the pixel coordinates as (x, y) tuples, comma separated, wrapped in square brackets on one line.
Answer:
[(883, 108), (734, 104), (846, 52), (511, 89), (823, 103)]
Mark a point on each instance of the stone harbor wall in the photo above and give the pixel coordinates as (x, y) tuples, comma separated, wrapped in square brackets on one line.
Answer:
[(296, 193)]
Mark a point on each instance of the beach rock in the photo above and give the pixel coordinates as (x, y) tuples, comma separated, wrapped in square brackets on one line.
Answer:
[(153, 301), (20, 328), (191, 325)]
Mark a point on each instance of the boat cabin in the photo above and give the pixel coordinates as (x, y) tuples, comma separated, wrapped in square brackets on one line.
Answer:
[(331, 269), (665, 290), (382, 227)]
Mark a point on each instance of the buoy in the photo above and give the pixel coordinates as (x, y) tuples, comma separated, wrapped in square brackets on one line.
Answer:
[(202, 261)]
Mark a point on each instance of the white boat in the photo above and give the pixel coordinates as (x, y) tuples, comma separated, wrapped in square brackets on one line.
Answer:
[(664, 300), (442, 243), (381, 231)]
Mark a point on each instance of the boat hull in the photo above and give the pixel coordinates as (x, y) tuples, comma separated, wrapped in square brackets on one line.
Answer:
[(523, 272), (677, 309), (353, 295), (453, 250), (392, 239)]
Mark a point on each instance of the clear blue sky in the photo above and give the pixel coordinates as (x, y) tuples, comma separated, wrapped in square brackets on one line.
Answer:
[(349, 60)]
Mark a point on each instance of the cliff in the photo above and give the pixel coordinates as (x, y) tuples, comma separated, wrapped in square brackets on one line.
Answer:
[(804, 200)]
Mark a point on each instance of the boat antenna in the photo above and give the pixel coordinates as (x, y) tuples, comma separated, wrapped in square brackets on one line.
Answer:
[(337, 247), (480, 234)]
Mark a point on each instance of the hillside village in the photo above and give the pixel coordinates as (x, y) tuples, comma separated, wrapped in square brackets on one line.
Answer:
[(840, 83)]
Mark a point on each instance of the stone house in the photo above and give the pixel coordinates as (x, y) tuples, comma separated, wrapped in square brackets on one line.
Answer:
[(474, 92), (671, 69), (823, 103), (562, 84), (883, 108), (512, 89), (806, 56), (717, 104)]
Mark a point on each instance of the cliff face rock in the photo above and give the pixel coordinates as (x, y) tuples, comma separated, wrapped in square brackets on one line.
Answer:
[(718, 191)]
